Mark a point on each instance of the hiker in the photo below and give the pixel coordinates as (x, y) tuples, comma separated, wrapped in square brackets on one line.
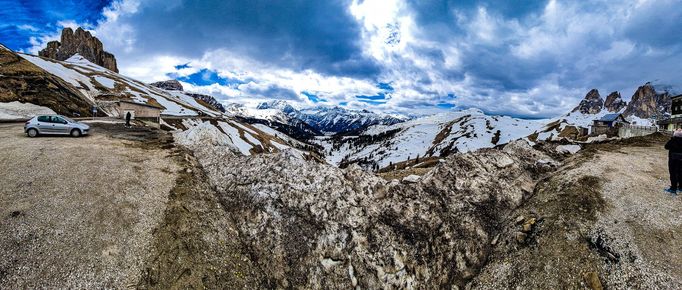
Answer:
[(128, 119), (674, 147)]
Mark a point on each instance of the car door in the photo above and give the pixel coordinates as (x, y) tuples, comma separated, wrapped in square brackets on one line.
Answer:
[(44, 125), (59, 125)]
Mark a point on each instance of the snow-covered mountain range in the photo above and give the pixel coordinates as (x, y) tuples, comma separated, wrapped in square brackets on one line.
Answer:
[(428, 137), (322, 119)]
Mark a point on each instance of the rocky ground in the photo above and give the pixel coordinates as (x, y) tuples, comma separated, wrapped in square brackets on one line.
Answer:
[(307, 225), (602, 220), (516, 218), (152, 215)]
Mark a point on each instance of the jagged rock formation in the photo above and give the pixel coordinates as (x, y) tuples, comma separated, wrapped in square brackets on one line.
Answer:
[(169, 85), (309, 225), (79, 42), (174, 85), (591, 104), (22, 81), (210, 100), (646, 102), (614, 103)]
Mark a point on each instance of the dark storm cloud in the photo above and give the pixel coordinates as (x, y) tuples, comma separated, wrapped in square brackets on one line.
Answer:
[(318, 35)]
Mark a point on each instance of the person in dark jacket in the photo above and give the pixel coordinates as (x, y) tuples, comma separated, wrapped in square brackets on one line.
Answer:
[(128, 116), (674, 147)]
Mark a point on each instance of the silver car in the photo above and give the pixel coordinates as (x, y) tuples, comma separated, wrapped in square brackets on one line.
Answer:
[(55, 124)]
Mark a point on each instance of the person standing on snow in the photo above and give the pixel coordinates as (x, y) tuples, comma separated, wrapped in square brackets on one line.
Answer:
[(128, 119), (674, 147)]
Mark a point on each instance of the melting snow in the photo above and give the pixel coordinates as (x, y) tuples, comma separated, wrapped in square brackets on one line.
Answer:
[(231, 131), (203, 134), (22, 111), (107, 82)]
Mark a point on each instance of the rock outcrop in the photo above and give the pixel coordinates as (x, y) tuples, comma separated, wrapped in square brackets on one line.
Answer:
[(174, 85), (79, 42), (169, 85), (591, 104), (614, 103), (308, 225), (209, 100), (22, 81), (647, 103)]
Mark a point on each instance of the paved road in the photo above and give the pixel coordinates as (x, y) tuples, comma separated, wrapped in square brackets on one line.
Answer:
[(79, 212)]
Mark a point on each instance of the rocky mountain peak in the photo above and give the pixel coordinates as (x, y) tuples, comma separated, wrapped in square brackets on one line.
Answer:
[(614, 102), (591, 104), (284, 106), (79, 42), (169, 85), (647, 103)]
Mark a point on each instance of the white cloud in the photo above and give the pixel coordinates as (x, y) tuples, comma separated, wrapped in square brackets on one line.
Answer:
[(539, 64)]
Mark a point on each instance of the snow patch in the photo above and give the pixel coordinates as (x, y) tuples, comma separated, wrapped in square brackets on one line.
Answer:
[(107, 82), (568, 149), (22, 111), (411, 178), (202, 135)]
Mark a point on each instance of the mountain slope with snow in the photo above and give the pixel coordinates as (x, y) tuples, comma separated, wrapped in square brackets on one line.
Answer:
[(432, 136), (240, 138), (100, 85)]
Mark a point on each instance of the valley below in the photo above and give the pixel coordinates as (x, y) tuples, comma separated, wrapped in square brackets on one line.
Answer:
[(141, 211)]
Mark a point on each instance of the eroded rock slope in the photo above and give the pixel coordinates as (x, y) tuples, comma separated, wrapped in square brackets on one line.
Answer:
[(311, 225)]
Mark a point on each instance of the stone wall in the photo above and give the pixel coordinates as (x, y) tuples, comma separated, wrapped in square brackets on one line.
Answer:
[(635, 131)]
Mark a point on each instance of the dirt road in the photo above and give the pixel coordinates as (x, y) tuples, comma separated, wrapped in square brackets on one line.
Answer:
[(79, 212)]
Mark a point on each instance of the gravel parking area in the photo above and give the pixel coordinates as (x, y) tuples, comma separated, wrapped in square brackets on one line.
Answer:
[(80, 212)]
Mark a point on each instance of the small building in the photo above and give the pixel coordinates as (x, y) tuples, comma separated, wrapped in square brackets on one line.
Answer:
[(675, 120), (608, 124), (149, 114)]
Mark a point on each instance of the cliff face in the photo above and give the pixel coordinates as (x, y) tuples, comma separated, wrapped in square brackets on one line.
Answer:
[(614, 102), (591, 104), (647, 103), (80, 42), (169, 85)]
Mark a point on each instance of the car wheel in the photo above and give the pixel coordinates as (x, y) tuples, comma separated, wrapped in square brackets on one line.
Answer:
[(75, 133), (32, 132)]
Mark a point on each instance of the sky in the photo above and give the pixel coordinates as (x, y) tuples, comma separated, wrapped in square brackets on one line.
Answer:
[(530, 59)]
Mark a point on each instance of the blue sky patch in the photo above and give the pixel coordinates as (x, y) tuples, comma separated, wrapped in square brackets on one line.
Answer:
[(207, 77), (377, 99), (385, 86), (313, 98), (181, 66), (22, 20), (445, 105)]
